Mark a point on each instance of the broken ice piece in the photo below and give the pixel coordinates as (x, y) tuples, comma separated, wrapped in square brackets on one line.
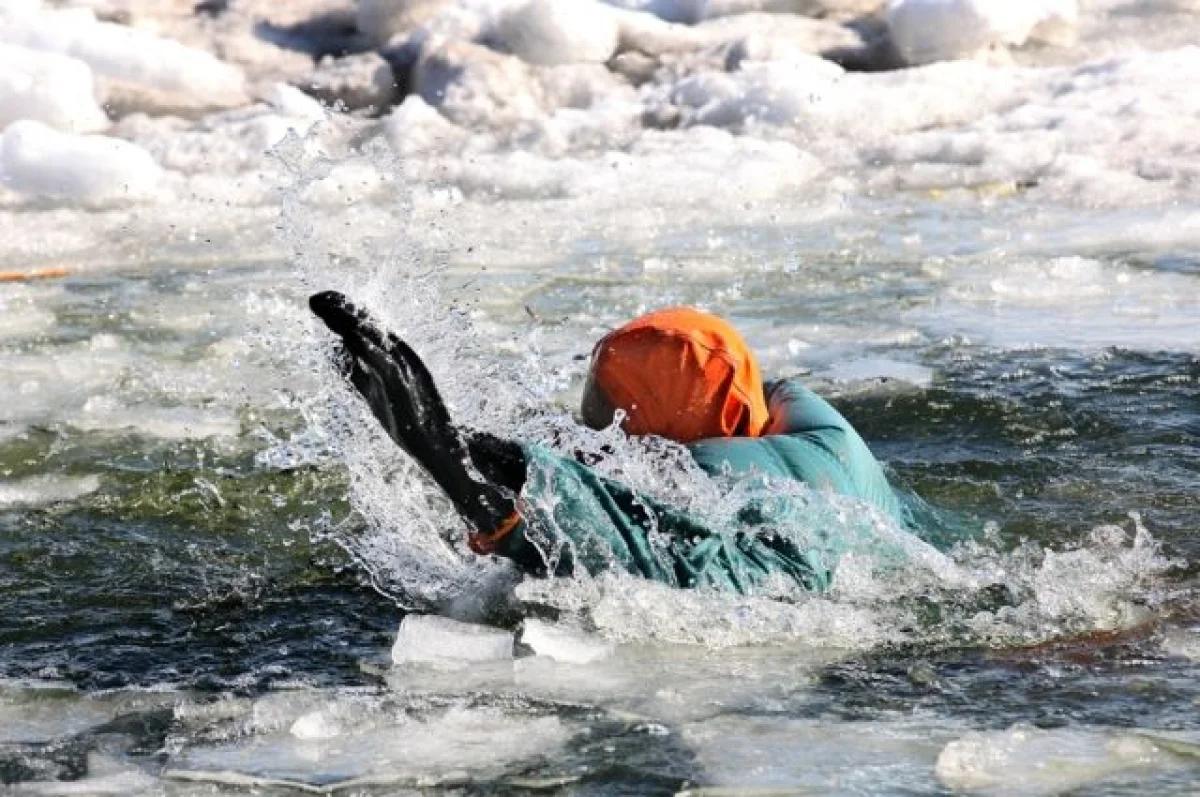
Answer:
[(567, 645), (439, 639)]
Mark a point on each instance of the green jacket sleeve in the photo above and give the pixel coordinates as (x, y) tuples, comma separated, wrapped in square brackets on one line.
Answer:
[(573, 518)]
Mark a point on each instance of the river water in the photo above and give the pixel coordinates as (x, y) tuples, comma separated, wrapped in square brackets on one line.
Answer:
[(206, 549)]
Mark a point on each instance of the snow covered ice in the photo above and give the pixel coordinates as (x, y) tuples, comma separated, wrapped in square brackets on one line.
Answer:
[(46, 87), (39, 162)]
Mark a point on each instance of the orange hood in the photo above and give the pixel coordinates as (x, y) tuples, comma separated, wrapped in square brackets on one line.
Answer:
[(677, 373)]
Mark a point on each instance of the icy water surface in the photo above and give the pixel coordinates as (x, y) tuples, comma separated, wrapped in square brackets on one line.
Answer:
[(179, 618), (991, 269)]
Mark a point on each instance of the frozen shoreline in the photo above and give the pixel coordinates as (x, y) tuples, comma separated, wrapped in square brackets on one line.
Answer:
[(743, 101)]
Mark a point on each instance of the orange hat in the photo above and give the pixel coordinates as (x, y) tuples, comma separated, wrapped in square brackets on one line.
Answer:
[(677, 373)]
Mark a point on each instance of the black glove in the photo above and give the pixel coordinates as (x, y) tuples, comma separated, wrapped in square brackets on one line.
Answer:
[(481, 474)]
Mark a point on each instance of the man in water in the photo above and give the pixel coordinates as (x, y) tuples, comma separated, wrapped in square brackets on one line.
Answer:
[(680, 374)]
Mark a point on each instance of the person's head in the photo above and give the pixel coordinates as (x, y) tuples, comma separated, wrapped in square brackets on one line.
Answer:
[(678, 373)]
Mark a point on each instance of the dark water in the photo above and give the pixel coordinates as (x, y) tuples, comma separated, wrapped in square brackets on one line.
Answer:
[(197, 568)]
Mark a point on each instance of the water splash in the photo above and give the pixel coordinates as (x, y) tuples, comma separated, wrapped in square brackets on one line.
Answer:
[(412, 544)]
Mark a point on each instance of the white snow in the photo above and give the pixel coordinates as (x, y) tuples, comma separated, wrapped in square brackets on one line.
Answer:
[(128, 55), (559, 31), (39, 161), (50, 88), (938, 30), (686, 11)]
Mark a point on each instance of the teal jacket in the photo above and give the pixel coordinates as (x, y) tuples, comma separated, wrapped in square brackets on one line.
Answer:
[(787, 522)]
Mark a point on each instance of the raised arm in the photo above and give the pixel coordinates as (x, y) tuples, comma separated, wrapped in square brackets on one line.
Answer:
[(481, 474)]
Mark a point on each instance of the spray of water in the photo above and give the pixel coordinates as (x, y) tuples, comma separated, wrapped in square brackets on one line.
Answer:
[(412, 545)]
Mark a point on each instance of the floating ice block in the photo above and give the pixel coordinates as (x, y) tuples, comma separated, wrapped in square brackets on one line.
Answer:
[(430, 638), (563, 644)]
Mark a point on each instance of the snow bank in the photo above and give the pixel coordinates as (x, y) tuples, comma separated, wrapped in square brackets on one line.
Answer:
[(380, 20), (559, 32), (940, 30), (38, 161), (129, 57), (686, 11), (776, 93), (49, 88)]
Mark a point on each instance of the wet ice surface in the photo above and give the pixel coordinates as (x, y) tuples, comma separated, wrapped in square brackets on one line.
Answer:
[(990, 266)]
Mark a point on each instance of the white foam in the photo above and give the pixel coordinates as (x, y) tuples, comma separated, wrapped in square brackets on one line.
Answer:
[(630, 609), (21, 316), (45, 490), (38, 161), (315, 725)]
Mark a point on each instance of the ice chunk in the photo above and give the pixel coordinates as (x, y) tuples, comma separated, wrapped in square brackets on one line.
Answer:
[(380, 20), (424, 637), (771, 753), (294, 103), (564, 644), (315, 725), (474, 86), (365, 80), (773, 93), (130, 56), (559, 31), (1026, 760), (105, 776), (415, 126), (939, 30), (685, 11), (49, 88), (38, 161)]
